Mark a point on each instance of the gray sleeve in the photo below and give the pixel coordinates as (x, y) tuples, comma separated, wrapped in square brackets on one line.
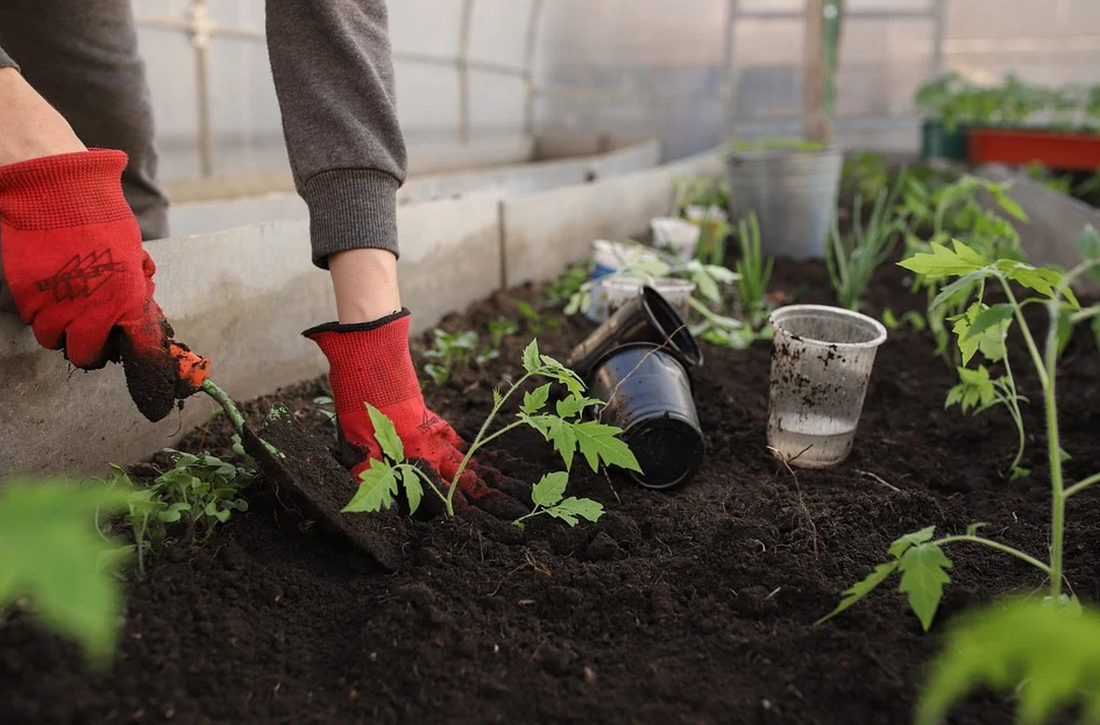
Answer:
[(334, 80), (6, 61)]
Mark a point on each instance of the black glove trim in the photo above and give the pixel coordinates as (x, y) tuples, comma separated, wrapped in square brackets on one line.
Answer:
[(357, 326)]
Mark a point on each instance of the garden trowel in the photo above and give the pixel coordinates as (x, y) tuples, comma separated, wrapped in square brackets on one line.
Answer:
[(292, 459)]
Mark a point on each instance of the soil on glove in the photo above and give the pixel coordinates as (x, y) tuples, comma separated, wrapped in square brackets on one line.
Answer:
[(695, 605)]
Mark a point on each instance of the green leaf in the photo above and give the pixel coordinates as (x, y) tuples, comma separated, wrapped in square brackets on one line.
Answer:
[(990, 317), (1043, 280), (901, 545), (557, 431), (574, 405), (1009, 204), (571, 508), (414, 491), (889, 320), (1063, 456), (706, 286), (1046, 657), (600, 442), (958, 291), (991, 342), (923, 574), (943, 262), (861, 589), (555, 370), (1018, 472), (498, 397), (550, 488), (1088, 244), (386, 434), (51, 553), (376, 492), (973, 528), (535, 400), (531, 361)]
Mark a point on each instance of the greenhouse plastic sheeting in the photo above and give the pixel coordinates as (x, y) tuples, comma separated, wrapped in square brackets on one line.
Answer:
[(689, 72)]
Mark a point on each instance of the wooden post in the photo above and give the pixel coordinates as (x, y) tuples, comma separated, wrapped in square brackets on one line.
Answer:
[(818, 72)]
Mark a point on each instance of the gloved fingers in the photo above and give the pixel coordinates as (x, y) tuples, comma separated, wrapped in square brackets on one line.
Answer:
[(514, 487), (85, 343)]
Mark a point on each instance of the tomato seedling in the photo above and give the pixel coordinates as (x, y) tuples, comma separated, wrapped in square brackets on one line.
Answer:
[(918, 556), (566, 429)]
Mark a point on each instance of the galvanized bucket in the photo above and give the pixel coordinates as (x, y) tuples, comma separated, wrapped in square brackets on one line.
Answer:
[(794, 195)]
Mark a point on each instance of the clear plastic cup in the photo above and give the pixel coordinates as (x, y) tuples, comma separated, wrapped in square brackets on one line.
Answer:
[(679, 236), (617, 291), (821, 361)]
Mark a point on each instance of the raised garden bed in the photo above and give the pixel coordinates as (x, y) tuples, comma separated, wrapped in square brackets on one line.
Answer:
[(691, 605)]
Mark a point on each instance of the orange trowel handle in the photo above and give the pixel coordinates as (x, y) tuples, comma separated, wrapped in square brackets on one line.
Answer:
[(193, 368)]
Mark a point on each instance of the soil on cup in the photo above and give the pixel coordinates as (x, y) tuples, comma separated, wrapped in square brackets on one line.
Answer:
[(695, 605)]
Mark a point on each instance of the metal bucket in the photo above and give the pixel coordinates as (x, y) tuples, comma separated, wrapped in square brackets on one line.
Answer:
[(794, 195)]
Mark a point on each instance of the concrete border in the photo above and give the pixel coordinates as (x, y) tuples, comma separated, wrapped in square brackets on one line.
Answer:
[(203, 217), (242, 296)]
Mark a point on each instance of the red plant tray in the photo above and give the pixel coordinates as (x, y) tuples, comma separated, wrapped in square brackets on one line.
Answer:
[(1054, 149)]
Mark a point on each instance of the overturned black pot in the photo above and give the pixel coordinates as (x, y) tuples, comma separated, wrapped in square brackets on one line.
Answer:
[(646, 318), (648, 394)]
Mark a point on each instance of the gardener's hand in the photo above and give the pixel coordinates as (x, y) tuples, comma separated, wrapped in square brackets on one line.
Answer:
[(370, 363), (72, 258)]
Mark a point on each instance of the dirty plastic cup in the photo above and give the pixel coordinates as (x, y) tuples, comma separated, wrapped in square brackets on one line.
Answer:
[(647, 392), (647, 318), (618, 291), (676, 235), (821, 361), (612, 256)]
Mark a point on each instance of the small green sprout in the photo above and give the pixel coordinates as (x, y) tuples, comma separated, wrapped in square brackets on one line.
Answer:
[(453, 350)]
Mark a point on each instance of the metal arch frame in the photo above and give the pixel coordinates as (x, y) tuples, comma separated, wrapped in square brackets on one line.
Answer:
[(201, 28), (935, 13)]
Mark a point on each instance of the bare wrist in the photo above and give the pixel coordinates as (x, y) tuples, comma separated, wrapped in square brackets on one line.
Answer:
[(29, 126)]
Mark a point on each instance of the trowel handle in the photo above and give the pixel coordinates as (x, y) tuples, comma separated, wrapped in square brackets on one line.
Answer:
[(193, 368)]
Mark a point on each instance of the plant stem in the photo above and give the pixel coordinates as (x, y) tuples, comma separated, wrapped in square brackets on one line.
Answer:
[(1012, 402), (222, 398), (1081, 485), (427, 479), (536, 512), (477, 441), (1054, 453), (502, 431), (1032, 348), (234, 414), (995, 545)]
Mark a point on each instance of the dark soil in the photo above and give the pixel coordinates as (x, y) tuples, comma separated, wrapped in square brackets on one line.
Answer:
[(689, 606)]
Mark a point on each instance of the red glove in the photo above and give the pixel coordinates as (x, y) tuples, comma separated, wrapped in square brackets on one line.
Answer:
[(370, 363), (71, 254)]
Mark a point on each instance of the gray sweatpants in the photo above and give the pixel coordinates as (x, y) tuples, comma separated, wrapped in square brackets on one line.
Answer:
[(334, 81)]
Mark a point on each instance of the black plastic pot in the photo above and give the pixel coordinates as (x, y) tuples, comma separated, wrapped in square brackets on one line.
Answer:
[(648, 394), (647, 318)]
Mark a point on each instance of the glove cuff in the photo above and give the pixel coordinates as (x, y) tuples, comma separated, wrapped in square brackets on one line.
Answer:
[(368, 362), (66, 190)]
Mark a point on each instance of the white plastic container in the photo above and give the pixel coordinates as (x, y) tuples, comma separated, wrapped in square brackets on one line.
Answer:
[(612, 256), (697, 213), (678, 236), (617, 291), (821, 362)]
